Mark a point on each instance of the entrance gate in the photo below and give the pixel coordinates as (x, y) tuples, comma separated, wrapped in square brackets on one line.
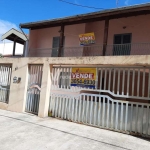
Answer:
[(5, 79), (34, 88), (119, 102)]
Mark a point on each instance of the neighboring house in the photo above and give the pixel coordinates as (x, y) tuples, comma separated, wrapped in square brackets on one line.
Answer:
[(14, 48), (121, 31)]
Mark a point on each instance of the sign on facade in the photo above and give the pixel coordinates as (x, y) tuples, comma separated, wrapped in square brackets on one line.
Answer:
[(83, 77), (87, 38)]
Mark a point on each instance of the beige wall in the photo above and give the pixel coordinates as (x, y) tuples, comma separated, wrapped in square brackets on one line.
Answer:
[(72, 34), (33, 39), (137, 25), (98, 29), (18, 92), (40, 42), (42, 38)]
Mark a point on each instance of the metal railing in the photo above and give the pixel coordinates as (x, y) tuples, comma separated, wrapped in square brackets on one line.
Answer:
[(118, 81), (94, 50), (128, 49)]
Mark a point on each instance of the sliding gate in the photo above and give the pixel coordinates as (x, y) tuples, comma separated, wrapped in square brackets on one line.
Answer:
[(120, 100), (5, 79), (34, 88)]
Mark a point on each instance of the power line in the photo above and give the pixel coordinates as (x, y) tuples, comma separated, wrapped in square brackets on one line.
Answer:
[(80, 5)]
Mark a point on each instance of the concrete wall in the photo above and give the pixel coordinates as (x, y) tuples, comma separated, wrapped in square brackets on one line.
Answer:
[(17, 98)]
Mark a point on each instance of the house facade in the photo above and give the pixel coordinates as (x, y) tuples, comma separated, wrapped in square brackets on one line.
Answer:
[(122, 31), (92, 69)]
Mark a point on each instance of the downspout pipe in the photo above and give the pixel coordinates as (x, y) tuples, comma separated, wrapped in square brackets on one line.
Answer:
[(23, 32), (25, 53)]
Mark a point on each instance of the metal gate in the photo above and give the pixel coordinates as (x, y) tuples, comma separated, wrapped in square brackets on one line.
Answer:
[(5, 80), (102, 111), (34, 88), (119, 102)]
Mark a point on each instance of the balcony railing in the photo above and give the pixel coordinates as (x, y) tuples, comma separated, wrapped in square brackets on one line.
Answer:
[(93, 50), (128, 49)]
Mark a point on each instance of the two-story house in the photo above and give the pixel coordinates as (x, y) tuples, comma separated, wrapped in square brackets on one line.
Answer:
[(92, 68), (121, 31)]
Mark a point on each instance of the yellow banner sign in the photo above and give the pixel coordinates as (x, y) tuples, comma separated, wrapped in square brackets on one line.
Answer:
[(87, 38), (83, 77)]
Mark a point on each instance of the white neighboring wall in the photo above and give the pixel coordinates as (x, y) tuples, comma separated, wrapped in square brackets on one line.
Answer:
[(6, 48)]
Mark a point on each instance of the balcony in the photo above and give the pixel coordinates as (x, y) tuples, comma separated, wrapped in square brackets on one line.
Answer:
[(93, 50)]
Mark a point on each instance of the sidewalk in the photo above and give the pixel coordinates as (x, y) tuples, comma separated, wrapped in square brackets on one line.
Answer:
[(21, 131)]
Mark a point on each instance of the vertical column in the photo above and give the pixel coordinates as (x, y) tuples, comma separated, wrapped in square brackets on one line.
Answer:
[(61, 42), (14, 47), (45, 90), (25, 49), (105, 36), (18, 91)]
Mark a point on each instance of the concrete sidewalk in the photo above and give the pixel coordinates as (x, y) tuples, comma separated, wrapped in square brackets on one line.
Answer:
[(28, 132)]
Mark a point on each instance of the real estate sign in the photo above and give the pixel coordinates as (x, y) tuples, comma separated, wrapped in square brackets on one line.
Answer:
[(87, 38), (83, 77)]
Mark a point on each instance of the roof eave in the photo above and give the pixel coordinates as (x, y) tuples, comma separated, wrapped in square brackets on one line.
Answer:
[(100, 15)]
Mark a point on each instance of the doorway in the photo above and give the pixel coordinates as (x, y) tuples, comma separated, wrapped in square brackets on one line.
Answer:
[(122, 44)]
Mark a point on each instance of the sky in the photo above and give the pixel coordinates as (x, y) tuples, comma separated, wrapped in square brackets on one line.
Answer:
[(14, 12)]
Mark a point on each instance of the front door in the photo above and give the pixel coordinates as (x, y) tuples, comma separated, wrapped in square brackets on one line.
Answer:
[(122, 44)]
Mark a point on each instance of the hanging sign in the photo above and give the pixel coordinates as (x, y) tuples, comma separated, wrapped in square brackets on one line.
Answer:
[(83, 77), (87, 38)]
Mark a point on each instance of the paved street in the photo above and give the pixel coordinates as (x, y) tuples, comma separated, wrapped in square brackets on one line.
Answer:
[(21, 131)]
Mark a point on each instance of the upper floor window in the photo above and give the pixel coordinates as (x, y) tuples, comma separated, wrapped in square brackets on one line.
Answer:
[(122, 44), (55, 47)]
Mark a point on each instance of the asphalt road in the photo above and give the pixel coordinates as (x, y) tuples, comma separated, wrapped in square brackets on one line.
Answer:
[(21, 131)]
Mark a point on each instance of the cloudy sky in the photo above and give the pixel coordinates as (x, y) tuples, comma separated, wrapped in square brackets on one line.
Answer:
[(14, 12)]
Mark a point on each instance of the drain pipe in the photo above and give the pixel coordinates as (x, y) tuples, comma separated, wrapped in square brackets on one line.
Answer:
[(23, 32), (25, 51)]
